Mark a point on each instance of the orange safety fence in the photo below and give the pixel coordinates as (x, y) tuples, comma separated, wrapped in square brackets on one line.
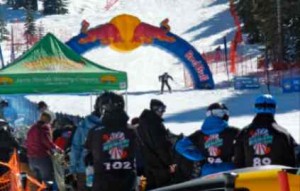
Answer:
[(237, 37), (11, 180)]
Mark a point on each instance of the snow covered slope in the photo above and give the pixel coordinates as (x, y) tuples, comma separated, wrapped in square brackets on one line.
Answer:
[(203, 23)]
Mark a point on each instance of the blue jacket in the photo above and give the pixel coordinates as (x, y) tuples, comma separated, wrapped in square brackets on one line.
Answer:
[(78, 152), (186, 148), (212, 145), (10, 115)]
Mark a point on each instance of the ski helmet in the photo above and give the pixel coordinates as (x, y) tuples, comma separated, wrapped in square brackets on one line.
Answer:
[(108, 102), (265, 104), (218, 110)]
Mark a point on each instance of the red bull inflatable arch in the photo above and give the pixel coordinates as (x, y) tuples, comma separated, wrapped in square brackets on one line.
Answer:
[(125, 33)]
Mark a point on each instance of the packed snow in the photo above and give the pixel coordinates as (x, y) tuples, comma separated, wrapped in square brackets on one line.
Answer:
[(203, 24)]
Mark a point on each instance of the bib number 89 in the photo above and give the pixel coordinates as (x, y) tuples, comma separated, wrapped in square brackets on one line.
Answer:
[(261, 161), (126, 165)]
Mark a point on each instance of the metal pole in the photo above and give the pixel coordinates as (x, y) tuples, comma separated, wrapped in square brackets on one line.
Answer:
[(12, 51), (1, 58), (126, 99), (226, 59), (91, 103)]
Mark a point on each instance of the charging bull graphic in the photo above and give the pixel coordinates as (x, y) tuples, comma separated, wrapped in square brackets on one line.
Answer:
[(146, 33), (106, 34), (125, 33)]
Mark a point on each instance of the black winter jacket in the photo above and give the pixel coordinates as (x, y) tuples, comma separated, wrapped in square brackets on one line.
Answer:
[(264, 142), (7, 144), (157, 149), (112, 147)]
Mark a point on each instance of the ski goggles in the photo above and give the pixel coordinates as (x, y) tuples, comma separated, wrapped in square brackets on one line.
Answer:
[(217, 113), (160, 109)]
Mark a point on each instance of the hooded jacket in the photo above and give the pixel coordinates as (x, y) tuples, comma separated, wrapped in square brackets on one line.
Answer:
[(264, 142), (112, 150), (10, 115), (112, 147), (157, 149), (78, 152), (7, 143), (213, 145)]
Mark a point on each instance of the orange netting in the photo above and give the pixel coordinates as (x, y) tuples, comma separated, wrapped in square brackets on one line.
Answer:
[(237, 37), (11, 180)]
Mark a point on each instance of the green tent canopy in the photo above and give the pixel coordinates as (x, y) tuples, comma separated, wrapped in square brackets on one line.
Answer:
[(50, 66)]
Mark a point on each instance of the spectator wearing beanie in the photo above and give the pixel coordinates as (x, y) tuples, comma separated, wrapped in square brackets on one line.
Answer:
[(157, 149), (42, 106), (264, 142)]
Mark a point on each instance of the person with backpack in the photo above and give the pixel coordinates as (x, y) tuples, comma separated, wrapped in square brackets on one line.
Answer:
[(112, 147), (263, 141), (213, 144)]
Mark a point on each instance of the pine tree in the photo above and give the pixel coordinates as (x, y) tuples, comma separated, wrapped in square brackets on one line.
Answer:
[(30, 28), (245, 10), (33, 3), (4, 34), (50, 7), (291, 29), (41, 30), (62, 6), (260, 20)]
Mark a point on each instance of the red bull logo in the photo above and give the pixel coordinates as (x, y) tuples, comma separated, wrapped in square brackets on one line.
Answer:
[(106, 34), (125, 33), (146, 33)]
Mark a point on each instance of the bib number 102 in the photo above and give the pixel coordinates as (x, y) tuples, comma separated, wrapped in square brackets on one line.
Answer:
[(126, 165)]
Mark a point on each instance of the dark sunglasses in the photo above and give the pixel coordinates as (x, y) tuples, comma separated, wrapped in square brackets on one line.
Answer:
[(161, 109)]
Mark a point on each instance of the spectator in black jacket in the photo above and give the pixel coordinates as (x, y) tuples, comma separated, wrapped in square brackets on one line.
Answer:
[(7, 144), (157, 149), (112, 147), (264, 142)]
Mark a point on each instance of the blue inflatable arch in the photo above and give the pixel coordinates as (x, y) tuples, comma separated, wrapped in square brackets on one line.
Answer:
[(191, 58)]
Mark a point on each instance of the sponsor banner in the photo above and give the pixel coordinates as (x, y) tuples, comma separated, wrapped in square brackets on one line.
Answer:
[(56, 83), (291, 85), (246, 82)]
